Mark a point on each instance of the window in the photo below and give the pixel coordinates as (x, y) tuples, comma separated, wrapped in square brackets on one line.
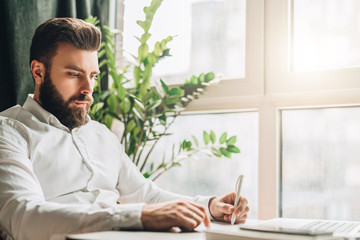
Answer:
[(321, 163), (294, 81), (210, 36), (297, 60), (213, 176), (325, 35), (312, 46)]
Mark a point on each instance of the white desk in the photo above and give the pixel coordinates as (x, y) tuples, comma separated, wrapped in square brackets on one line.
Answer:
[(146, 235)]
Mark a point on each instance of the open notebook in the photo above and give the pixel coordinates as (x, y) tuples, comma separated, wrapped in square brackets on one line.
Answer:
[(289, 228)]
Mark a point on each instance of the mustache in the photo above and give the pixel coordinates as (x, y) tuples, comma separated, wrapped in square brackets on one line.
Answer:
[(81, 97)]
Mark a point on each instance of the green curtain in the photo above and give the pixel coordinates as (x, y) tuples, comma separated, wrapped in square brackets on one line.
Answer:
[(18, 21)]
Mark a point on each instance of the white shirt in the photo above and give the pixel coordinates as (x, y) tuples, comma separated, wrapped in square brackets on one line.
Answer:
[(55, 181)]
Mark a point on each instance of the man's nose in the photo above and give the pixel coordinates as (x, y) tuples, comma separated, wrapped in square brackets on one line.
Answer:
[(87, 86)]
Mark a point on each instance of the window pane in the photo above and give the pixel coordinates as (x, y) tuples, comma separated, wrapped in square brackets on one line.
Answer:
[(210, 175), (210, 36), (321, 163), (326, 34)]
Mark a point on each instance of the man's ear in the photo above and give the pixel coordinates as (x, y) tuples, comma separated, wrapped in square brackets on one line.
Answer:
[(38, 71)]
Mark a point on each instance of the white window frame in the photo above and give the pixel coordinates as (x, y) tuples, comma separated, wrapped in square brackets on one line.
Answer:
[(278, 89)]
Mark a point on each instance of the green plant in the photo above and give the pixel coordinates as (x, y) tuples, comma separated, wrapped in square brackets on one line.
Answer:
[(148, 111)]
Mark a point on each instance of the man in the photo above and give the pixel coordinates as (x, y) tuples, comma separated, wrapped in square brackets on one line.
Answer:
[(61, 172)]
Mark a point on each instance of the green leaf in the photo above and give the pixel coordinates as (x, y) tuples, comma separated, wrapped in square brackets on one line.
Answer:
[(164, 86), (195, 140), (145, 37), (225, 152), (183, 145), (147, 76), (169, 38), (142, 24), (202, 77), (96, 107), (143, 51), (176, 92), (206, 138), (146, 175), (223, 137), (151, 59), (157, 49), (165, 53), (216, 152), (233, 149), (125, 106), (139, 105), (103, 62), (108, 121), (113, 115), (172, 101), (162, 119), (112, 102), (231, 141), (101, 53), (154, 105), (136, 131), (139, 114), (209, 76), (212, 137), (130, 125), (194, 80), (188, 145), (121, 91), (137, 75)]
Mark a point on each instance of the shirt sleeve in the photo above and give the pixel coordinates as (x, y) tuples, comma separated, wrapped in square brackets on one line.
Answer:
[(134, 187), (24, 212)]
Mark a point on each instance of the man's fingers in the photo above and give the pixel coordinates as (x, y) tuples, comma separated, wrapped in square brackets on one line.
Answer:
[(191, 216), (194, 216), (242, 208), (241, 219), (188, 224), (225, 208), (201, 211), (247, 209)]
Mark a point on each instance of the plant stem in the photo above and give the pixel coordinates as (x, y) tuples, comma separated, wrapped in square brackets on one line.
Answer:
[(153, 146), (146, 158), (143, 147), (169, 164), (139, 142), (125, 133)]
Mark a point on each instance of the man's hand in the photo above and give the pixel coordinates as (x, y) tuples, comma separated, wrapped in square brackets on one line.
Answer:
[(221, 208), (183, 214)]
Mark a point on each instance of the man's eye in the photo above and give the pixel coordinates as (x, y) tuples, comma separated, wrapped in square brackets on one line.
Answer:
[(95, 77), (73, 74)]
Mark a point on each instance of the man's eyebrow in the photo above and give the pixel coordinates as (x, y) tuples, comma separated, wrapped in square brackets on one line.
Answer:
[(76, 68)]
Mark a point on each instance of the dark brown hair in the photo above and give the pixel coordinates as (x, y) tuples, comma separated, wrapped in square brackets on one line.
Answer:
[(51, 33)]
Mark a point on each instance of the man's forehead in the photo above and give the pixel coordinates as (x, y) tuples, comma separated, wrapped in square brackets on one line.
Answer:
[(76, 59)]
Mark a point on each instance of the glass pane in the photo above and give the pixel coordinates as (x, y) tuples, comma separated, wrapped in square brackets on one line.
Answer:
[(210, 175), (326, 34), (321, 163), (210, 36)]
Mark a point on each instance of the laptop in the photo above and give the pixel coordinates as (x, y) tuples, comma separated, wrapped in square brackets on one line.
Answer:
[(310, 227)]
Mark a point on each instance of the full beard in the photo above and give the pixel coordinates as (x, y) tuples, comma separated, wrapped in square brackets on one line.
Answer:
[(52, 101)]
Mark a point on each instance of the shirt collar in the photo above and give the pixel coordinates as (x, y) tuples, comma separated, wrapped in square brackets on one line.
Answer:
[(42, 115)]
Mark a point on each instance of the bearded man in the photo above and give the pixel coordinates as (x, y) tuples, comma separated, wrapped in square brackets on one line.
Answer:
[(61, 172)]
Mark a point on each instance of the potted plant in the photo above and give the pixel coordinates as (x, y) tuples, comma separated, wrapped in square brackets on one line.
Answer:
[(147, 109)]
